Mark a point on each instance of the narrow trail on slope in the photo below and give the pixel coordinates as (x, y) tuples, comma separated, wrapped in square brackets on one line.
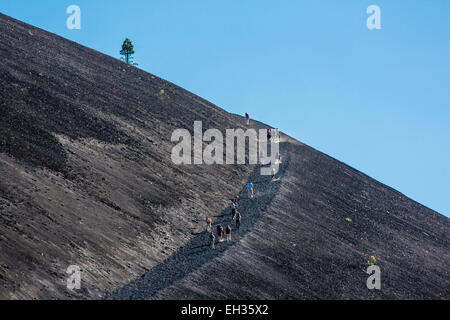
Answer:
[(197, 252)]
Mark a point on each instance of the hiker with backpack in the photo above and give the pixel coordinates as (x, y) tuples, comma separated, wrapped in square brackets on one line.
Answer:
[(269, 134), (219, 233), (212, 237), (238, 220), (236, 201), (228, 233)]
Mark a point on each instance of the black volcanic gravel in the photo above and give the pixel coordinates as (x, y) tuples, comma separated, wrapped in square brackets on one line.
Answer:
[(86, 179)]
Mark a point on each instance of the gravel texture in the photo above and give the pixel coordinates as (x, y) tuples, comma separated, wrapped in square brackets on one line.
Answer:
[(86, 179)]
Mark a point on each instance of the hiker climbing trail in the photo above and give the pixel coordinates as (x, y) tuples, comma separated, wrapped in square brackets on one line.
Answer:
[(198, 251)]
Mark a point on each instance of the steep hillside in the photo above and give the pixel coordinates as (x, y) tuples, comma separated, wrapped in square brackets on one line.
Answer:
[(304, 246), (86, 179), (86, 175)]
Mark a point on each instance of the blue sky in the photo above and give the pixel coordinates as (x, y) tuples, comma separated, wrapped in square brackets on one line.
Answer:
[(377, 100)]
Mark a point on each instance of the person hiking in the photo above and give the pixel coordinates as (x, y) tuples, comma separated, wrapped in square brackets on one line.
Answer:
[(247, 118), (250, 189), (238, 220), (219, 233), (208, 224), (236, 201), (273, 173), (228, 233), (233, 213), (269, 134), (212, 237)]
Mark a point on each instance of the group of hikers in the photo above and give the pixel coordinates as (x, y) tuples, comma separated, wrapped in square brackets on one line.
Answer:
[(235, 214)]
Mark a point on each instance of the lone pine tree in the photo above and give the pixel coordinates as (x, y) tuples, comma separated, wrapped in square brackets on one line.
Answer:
[(127, 52)]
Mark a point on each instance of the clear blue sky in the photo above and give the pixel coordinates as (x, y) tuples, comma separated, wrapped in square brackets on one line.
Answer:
[(377, 100)]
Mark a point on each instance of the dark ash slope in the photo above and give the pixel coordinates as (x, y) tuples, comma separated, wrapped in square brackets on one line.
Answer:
[(304, 248), (86, 179), (86, 175)]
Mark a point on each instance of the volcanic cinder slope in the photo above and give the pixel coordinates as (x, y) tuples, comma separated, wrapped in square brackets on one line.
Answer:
[(86, 179)]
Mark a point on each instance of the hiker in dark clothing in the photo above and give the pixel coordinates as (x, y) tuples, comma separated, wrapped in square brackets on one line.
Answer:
[(228, 233), (269, 134), (238, 220), (219, 233), (247, 118), (233, 213), (212, 237)]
